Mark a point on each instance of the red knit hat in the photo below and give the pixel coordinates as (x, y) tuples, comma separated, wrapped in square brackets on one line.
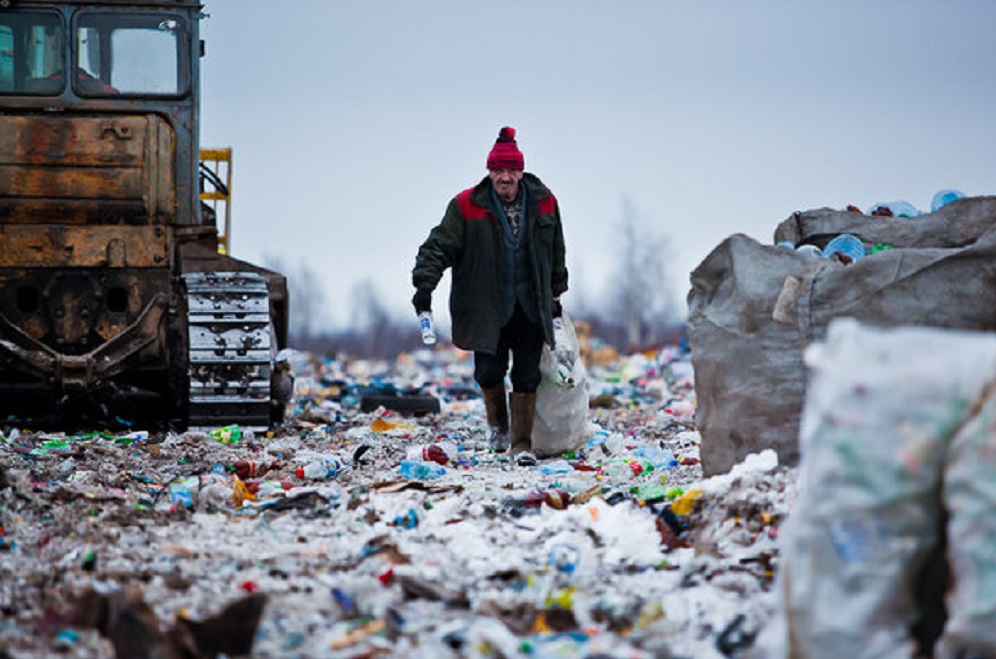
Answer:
[(506, 154)]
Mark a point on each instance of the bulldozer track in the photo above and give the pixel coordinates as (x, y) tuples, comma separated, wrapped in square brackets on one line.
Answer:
[(230, 349)]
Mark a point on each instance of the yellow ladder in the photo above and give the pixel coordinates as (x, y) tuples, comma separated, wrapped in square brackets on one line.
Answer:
[(219, 164)]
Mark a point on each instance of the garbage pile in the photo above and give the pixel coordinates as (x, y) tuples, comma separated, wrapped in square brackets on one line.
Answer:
[(391, 531)]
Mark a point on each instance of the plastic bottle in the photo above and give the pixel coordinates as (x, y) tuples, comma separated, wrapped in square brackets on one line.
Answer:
[(437, 453), (847, 245), (944, 197), (810, 250), (651, 492), (420, 470), (628, 468), (428, 331), (660, 458), (320, 469), (557, 467)]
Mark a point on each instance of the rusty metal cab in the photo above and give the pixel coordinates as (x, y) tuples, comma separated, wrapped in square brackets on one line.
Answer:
[(115, 303)]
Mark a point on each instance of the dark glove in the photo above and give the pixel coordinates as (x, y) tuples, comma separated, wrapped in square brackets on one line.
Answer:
[(422, 300), (557, 309)]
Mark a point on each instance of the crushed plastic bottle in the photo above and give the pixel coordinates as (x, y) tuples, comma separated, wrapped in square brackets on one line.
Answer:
[(420, 470), (660, 458), (628, 468), (651, 492), (428, 330), (557, 467)]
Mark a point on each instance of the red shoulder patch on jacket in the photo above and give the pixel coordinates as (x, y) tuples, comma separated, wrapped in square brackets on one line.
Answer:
[(548, 204), (469, 209)]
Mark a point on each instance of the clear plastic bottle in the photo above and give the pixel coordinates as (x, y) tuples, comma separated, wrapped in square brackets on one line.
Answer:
[(320, 469), (557, 467), (660, 458), (428, 330)]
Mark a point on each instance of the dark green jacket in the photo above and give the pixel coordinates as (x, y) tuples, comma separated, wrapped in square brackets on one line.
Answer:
[(468, 240)]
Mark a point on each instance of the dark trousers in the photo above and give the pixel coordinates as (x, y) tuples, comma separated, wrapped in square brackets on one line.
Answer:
[(524, 339)]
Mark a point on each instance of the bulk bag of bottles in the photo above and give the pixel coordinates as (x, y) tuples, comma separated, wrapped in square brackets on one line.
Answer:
[(754, 308)]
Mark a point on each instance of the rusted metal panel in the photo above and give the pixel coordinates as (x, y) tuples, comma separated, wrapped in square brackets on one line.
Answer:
[(104, 170), (74, 181), (77, 142), (26, 246)]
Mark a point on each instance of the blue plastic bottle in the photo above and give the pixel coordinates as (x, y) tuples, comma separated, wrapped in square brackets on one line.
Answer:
[(420, 470)]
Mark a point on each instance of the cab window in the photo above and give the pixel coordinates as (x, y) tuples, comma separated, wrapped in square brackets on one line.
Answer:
[(128, 54), (31, 53)]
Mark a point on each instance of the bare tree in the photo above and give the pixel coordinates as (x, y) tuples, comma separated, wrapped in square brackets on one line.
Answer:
[(308, 305), (642, 297), (369, 316)]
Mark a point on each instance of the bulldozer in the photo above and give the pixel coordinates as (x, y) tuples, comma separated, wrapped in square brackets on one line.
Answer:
[(120, 303)]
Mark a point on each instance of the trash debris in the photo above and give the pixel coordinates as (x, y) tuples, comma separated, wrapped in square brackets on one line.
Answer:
[(387, 533)]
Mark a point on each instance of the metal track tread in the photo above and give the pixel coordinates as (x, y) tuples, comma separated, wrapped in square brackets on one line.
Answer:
[(230, 355)]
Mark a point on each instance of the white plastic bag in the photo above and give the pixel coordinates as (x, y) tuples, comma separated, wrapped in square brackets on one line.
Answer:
[(561, 423)]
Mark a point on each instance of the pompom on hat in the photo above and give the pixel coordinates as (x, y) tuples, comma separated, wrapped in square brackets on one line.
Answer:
[(505, 154)]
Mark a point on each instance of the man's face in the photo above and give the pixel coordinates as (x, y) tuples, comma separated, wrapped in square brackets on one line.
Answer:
[(506, 182)]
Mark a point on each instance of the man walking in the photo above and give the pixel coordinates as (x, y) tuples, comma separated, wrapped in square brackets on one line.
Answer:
[(504, 241)]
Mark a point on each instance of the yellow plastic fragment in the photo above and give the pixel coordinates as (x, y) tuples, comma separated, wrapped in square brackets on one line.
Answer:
[(380, 425), (684, 504)]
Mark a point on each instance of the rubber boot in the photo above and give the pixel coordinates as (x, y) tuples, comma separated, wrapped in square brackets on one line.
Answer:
[(496, 405), (523, 415)]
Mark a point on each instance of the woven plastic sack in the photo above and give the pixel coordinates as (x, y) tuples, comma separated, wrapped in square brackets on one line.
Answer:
[(561, 423), (754, 308), (897, 450)]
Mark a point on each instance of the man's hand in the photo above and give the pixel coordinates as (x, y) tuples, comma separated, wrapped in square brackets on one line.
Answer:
[(422, 301), (557, 309)]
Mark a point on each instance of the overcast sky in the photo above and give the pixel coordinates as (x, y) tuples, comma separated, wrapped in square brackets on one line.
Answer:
[(354, 123)]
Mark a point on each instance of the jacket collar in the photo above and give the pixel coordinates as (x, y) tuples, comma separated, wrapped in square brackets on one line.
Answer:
[(535, 190)]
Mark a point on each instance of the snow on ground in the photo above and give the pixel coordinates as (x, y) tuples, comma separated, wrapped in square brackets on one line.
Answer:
[(576, 557)]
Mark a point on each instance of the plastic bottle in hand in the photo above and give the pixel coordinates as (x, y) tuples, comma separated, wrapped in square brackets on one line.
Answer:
[(428, 331)]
